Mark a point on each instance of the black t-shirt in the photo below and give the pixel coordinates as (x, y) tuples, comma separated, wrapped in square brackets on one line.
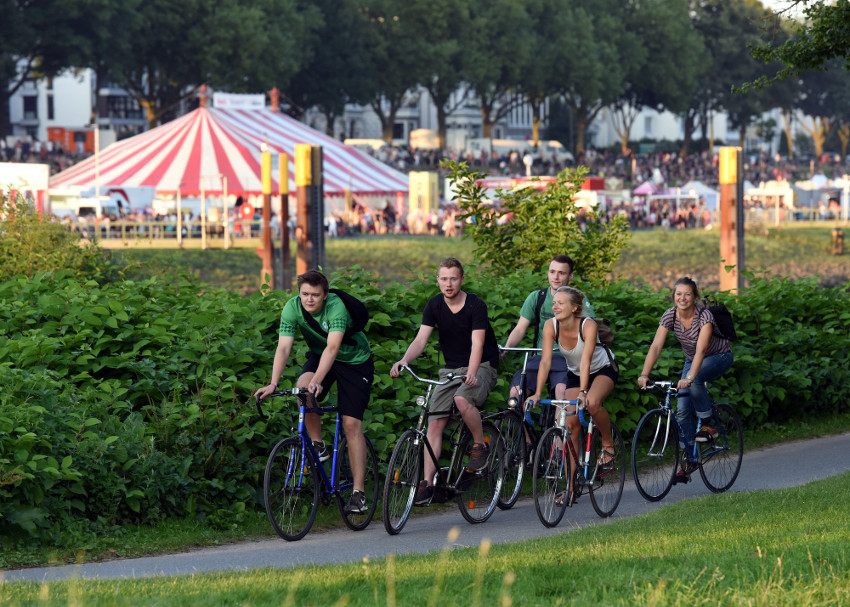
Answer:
[(456, 330)]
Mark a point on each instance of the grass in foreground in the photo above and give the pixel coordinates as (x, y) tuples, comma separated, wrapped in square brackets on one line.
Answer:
[(787, 547)]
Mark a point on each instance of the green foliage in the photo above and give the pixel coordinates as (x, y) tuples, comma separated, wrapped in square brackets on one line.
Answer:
[(531, 226), (30, 243), (130, 402)]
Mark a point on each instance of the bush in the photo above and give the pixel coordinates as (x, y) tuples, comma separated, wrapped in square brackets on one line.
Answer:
[(131, 401), (31, 243)]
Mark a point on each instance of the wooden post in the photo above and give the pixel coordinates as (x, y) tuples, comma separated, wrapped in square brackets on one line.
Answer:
[(731, 219), (286, 258), (303, 179), (265, 252)]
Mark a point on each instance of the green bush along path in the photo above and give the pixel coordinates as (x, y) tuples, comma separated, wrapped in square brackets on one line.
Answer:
[(128, 402)]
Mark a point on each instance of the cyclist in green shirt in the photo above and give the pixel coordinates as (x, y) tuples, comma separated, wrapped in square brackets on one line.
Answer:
[(332, 357)]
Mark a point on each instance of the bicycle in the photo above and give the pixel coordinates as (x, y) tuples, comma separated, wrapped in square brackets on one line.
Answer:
[(556, 487), (518, 432), (295, 480), (655, 450), (476, 492)]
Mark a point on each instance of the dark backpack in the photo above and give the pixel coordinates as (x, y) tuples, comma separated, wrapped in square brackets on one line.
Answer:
[(541, 297), (723, 325), (356, 308)]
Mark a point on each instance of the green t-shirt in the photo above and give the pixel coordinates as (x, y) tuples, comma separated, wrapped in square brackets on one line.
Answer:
[(332, 317), (530, 304)]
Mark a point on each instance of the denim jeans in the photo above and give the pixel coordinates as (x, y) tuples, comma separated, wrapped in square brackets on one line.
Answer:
[(695, 399)]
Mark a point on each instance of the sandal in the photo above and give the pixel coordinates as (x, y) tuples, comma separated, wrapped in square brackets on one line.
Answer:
[(606, 460), (559, 498)]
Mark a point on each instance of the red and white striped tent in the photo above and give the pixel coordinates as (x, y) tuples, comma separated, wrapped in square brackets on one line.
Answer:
[(191, 153)]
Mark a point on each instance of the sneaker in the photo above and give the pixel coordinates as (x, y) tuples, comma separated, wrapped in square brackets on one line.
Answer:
[(356, 503), (705, 434), (687, 468), (321, 450), (424, 494), (478, 455)]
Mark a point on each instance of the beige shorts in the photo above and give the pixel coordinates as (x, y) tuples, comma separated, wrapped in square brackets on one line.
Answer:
[(443, 396)]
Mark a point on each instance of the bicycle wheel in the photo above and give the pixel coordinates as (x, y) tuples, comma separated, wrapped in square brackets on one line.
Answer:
[(291, 489), (402, 478), (478, 492), (514, 439), (720, 459), (552, 477), (606, 488), (655, 454), (345, 485)]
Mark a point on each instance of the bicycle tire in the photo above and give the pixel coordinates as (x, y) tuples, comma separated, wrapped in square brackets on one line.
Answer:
[(606, 488), (477, 493), (655, 454), (720, 459), (513, 436), (344, 485), (403, 473), (291, 489), (551, 476)]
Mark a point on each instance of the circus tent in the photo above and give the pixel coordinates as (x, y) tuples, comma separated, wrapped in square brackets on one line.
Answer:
[(192, 153)]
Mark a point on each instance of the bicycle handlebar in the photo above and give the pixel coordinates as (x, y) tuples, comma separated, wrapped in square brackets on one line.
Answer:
[(284, 392), (442, 382), (560, 402), (669, 386)]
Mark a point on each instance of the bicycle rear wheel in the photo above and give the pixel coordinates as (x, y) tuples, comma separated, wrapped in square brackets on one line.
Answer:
[(345, 485), (655, 454), (403, 473), (478, 492), (720, 459), (606, 488), (515, 454), (552, 477), (291, 489)]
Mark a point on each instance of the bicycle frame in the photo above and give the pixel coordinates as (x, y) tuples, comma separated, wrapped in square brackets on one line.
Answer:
[(329, 485), (583, 460), (672, 391)]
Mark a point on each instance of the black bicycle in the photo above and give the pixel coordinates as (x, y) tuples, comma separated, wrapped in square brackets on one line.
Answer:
[(476, 492), (296, 481), (520, 433), (655, 449)]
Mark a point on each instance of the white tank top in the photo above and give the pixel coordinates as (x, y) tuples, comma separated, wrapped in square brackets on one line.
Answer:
[(599, 360)]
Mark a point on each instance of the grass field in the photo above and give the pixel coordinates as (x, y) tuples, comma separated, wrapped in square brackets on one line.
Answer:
[(786, 547), (654, 256)]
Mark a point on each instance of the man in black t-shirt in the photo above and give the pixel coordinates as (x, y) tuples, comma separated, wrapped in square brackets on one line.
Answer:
[(469, 348)]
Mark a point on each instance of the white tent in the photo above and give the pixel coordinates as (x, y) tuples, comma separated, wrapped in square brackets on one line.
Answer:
[(699, 189)]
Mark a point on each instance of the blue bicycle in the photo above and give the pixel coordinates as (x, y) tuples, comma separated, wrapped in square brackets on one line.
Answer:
[(296, 481), (655, 449)]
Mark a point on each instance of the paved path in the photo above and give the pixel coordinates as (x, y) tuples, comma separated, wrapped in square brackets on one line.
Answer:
[(772, 468)]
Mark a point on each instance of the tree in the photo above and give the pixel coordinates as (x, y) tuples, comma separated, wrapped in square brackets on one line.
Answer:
[(396, 50), (235, 45), (594, 74), (822, 35), (339, 66), (443, 29), (494, 55), (528, 226), (664, 75)]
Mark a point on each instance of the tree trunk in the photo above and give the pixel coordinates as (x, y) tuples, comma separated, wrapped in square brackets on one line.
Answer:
[(486, 122), (787, 117), (844, 137), (688, 134)]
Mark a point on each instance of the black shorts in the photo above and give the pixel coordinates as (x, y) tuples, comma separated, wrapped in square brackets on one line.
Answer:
[(354, 381), (574, 381)]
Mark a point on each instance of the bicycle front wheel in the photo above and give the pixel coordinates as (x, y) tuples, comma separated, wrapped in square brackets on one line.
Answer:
[(606, 486), (291, 489), (720, 459), (478, 492), (402, 478), (552, 477), (655, 453), (345, 485), (515, 455)]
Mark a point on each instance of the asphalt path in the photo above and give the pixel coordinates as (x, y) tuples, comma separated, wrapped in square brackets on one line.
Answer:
[(787, 465)]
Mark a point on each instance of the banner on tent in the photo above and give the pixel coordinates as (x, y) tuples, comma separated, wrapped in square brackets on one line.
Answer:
[(233, 101)]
